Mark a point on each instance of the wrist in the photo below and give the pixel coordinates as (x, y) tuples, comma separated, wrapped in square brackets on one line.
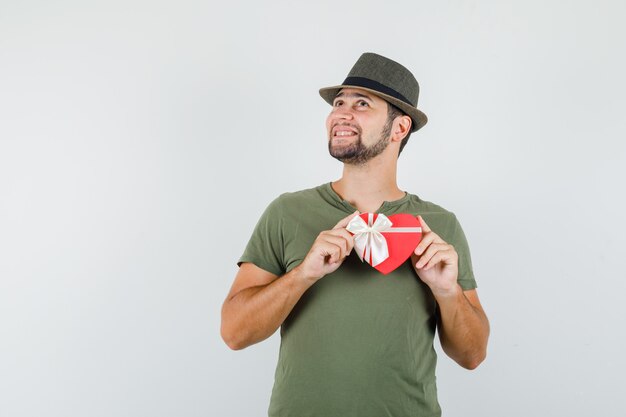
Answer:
[(447, 294), (303, 277)]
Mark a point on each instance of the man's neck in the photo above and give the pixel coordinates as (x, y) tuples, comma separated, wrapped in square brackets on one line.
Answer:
[(367, 186)]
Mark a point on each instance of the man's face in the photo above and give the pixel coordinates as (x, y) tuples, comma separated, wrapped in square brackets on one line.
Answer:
[(357, 126)]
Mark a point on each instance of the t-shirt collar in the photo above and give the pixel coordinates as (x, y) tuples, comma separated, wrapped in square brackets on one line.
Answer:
[(330, 195)]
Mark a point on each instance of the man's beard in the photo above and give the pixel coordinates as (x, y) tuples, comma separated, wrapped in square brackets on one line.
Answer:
[(357, 153)]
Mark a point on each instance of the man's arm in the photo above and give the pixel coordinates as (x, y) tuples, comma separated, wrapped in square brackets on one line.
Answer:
[(463, 326), (259, 301)]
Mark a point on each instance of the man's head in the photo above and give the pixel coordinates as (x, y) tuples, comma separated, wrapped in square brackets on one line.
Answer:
[(361, 126), (384, 79)]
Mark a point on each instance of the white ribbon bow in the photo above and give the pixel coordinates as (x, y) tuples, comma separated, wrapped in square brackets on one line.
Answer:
[(370, 244)]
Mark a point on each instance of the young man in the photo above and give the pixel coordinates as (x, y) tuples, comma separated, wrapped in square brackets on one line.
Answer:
[(355, 342)]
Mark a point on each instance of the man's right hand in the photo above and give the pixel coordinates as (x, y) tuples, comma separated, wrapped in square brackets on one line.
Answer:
[(328, 251)]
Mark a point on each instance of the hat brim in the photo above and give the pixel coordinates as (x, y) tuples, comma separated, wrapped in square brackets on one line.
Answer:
[(419, 119)]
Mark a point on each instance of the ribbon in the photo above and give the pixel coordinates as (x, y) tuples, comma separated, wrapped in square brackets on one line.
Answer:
[(369, 242)]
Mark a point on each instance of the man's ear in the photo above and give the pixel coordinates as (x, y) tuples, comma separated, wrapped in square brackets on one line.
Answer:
[(401, 128)]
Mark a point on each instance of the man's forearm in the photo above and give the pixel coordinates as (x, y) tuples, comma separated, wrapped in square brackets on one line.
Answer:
[(255, 313), (463, 329)]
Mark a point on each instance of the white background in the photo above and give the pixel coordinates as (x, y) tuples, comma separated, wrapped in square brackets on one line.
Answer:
[(140, 141)]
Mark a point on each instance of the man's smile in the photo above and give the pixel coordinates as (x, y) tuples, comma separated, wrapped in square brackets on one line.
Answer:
[(343, 131)]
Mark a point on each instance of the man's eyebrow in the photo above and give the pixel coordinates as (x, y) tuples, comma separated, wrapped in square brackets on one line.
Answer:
[(353, 95)]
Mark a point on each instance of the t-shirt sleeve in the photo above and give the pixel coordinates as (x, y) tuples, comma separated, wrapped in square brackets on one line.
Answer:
[(265, 248), (457, 239)]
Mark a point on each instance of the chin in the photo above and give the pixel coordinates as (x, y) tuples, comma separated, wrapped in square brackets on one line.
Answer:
[(342, 150), (340, 143)]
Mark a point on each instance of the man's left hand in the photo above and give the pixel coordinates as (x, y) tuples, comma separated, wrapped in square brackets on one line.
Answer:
[(436, 262)]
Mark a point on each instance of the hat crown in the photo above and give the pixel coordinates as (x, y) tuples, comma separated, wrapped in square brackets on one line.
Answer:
[(388, 73)]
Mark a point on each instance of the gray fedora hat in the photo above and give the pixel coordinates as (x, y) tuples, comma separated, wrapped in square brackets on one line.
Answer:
[(388, 80)]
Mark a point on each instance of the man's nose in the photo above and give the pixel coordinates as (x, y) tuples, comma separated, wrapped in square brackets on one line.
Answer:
[(343, 113)]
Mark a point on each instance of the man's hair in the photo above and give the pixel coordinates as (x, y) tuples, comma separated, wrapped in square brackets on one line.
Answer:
[(392, 113)]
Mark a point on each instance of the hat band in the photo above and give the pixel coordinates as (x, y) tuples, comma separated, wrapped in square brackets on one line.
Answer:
[(376, 86)]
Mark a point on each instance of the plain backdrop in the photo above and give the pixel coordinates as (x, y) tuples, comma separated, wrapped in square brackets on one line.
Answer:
[(141, 140)]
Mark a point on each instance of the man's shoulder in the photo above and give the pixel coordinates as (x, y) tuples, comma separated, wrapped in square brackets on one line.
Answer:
[(302, 194), (441, 220), (300, 197), (427, 207)]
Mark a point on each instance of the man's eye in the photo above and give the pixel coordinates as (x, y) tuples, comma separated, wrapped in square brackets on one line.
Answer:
[(338, 103), (363, 103)]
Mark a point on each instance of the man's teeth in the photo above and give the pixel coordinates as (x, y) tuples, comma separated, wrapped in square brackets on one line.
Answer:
[(344, 133)]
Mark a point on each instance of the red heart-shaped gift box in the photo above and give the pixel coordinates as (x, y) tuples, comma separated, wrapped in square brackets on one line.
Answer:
[(400, 245)]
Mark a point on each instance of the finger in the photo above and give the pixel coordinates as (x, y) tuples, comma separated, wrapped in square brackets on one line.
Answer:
[(335, 256), (344, 222), (338, 241), (427, 239), (447, 257), (432, 250), (425, 228), (349, 237), (327, 250)]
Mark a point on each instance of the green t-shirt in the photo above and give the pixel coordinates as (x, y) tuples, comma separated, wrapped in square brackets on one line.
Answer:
[(358, 343)]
